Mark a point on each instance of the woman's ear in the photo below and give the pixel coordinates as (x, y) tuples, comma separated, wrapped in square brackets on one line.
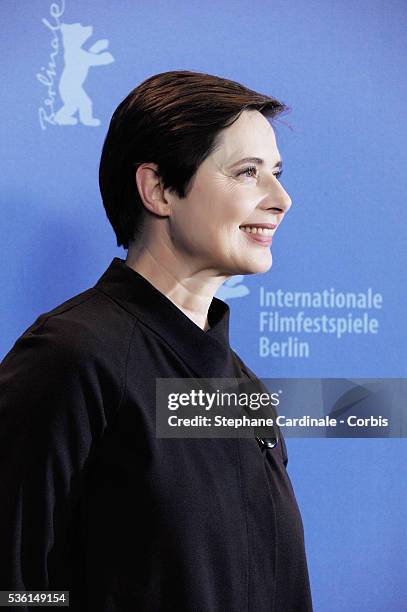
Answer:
[(150, 189)]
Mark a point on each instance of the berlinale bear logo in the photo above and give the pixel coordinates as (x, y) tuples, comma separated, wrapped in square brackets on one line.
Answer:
[(77, 64), (70, 78)]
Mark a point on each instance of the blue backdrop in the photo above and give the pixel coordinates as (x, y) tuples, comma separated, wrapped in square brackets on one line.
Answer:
[(341, 66)]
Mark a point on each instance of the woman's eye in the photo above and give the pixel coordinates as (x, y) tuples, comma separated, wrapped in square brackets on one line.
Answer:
[(250, 171)]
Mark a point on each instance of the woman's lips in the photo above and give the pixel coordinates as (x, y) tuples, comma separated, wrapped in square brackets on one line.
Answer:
[(262, 240)]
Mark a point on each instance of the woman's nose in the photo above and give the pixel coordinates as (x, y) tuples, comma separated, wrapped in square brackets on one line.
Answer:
[(279, 200), (287, 201), (283, 198)]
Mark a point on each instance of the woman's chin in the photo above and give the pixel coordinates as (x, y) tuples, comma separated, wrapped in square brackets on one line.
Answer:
[(258, 265)]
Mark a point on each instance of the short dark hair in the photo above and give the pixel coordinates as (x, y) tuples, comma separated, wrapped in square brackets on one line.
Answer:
[(171, 119)]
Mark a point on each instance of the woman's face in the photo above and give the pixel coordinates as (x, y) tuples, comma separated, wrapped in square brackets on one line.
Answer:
[(228, 193)]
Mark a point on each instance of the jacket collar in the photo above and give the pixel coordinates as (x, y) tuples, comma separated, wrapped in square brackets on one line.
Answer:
[(207, 353)]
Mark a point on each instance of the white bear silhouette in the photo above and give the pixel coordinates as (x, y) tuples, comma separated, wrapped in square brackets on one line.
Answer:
[(77, 64)]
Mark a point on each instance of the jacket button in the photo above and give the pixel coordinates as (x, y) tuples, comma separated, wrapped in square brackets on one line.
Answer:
[(267, 442)]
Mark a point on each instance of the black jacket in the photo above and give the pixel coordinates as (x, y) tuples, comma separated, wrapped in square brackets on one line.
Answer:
[(94, 503)]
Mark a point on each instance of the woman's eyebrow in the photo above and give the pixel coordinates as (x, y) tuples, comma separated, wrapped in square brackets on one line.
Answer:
[(257, 160)]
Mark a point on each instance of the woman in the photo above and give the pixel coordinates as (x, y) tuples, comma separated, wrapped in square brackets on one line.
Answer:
[(96, 503)]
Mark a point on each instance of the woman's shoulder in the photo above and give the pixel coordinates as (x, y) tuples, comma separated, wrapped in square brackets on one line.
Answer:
[(87, 325), (70, 360)]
